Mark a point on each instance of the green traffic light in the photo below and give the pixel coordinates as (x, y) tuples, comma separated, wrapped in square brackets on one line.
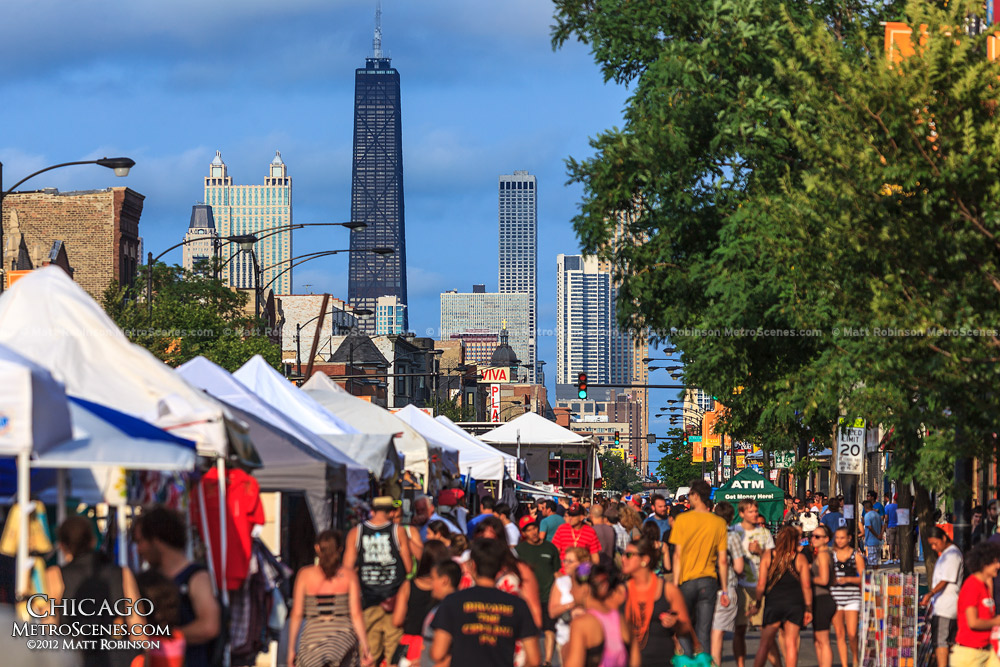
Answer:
[(582, 393)]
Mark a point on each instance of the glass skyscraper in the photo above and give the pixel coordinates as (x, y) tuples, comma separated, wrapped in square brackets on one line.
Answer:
[(518, 217), (377, 189)]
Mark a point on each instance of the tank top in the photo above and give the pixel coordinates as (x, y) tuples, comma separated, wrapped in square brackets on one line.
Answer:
[(615, 654), (814, 570), (845, 594), (380, 563), (420, 605), (195, 655), (657, 641)]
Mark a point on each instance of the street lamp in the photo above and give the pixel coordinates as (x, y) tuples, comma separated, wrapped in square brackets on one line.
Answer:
[(308, 257), (120, 165)]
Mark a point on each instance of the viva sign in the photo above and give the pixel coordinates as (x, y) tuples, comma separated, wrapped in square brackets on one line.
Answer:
[(495, 374)]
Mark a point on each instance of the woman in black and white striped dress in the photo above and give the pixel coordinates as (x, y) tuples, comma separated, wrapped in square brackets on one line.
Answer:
[(849, 565), (328, 597)]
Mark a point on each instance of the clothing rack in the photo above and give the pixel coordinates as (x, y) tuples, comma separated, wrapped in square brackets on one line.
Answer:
[(889, 620)]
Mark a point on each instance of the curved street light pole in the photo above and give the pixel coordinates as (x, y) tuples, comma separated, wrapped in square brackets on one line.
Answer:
[(121, 165)]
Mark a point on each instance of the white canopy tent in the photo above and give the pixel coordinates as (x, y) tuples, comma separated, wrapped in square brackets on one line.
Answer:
[(362, 414), (533, 437), (48, 318), (533, 429), (285, 437), (510, 461), (473, 460), (299, 408)]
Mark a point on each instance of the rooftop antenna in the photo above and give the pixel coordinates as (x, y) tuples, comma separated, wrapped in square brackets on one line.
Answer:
[(377, 41)]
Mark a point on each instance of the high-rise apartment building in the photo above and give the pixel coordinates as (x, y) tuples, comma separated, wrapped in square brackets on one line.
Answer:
[(518, 217), (584, 320), (489, 311), (479, 345), (202, 238), (377, 186), (262, 210), (390, 316)]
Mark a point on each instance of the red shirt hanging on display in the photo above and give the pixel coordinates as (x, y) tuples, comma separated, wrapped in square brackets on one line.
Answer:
[(244, 511)]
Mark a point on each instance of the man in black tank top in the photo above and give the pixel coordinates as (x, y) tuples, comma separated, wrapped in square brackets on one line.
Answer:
[(161, 538), (380, 552)]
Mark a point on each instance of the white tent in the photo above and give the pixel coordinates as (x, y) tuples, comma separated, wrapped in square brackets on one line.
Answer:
[(510, 462), (532, 429), (299, 408), (474, 460), (48, 318), (278, 445), (370, 417)]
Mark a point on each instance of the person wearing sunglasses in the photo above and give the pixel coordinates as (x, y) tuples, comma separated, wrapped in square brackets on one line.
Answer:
[(824, 607), (654, 608)]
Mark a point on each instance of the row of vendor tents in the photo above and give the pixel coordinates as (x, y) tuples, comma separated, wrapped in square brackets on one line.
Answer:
[(77, 395)]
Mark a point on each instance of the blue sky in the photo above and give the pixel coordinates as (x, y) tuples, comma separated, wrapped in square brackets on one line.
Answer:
[(169, 83)]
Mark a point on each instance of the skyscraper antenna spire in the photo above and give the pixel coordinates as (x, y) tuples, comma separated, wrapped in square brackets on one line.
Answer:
[(377, 41)]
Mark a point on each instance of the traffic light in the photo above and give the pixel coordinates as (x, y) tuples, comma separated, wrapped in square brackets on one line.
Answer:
[(617, 439), (581, 384)]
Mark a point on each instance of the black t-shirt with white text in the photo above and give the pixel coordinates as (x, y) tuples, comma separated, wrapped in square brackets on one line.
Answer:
[(484, 623)]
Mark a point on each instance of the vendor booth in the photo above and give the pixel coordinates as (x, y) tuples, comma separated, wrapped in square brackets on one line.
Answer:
[(416, 451), (750, 484), (536, 440), (473, 461)]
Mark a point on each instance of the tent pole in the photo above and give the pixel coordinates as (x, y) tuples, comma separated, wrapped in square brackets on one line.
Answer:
[(223, 592), (122, 535), (593, 471), (23, 483), (61, 505)]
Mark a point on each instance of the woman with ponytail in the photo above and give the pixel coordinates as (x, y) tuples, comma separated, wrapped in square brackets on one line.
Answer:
[(600, 637), (328, 596)]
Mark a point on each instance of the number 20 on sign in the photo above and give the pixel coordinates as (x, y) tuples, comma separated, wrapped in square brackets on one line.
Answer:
[(850, 447)]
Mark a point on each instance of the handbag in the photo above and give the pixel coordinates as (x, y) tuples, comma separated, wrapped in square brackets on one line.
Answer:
[(698, 660)]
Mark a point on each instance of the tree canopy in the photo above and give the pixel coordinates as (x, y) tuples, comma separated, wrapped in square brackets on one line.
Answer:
[(193, 314), (805, 223)]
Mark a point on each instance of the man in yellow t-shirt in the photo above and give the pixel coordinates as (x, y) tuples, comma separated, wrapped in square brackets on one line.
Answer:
[(699, 539)]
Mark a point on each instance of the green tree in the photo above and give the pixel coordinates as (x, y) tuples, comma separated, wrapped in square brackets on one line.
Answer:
[(193, 314), (451, 409), (618, 476), (703, 136), (676, 467)]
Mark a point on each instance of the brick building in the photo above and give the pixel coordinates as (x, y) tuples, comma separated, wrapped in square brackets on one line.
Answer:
[(100, 228)]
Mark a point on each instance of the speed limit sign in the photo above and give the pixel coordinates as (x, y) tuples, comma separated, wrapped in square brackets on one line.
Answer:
[(850, 447)]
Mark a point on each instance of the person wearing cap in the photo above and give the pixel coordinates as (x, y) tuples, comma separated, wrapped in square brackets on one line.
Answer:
[(575, 533), (379, 551), (543, 559)]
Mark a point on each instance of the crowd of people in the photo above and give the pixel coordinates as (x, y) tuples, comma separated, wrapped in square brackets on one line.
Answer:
[(620, 582)]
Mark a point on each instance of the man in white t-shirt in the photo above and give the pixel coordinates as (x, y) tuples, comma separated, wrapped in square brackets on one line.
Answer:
[(944, 593), (756, 541)]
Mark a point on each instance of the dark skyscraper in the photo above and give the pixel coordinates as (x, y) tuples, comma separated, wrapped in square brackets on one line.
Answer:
[(377, 186)]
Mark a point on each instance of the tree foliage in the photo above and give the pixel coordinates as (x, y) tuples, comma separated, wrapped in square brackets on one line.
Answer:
[(616, 475), (193, 314), (677, 467), (796, 209)]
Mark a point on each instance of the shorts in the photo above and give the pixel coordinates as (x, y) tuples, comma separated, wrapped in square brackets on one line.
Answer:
[(963, 656), (890, 537), (779, 613), (743, 616), (724, 618), (943, 631), (548, 624), (823, 610)]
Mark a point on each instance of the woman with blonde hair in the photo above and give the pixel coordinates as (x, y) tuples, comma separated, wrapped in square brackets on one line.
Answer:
[(561, 602), (630, 520)]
